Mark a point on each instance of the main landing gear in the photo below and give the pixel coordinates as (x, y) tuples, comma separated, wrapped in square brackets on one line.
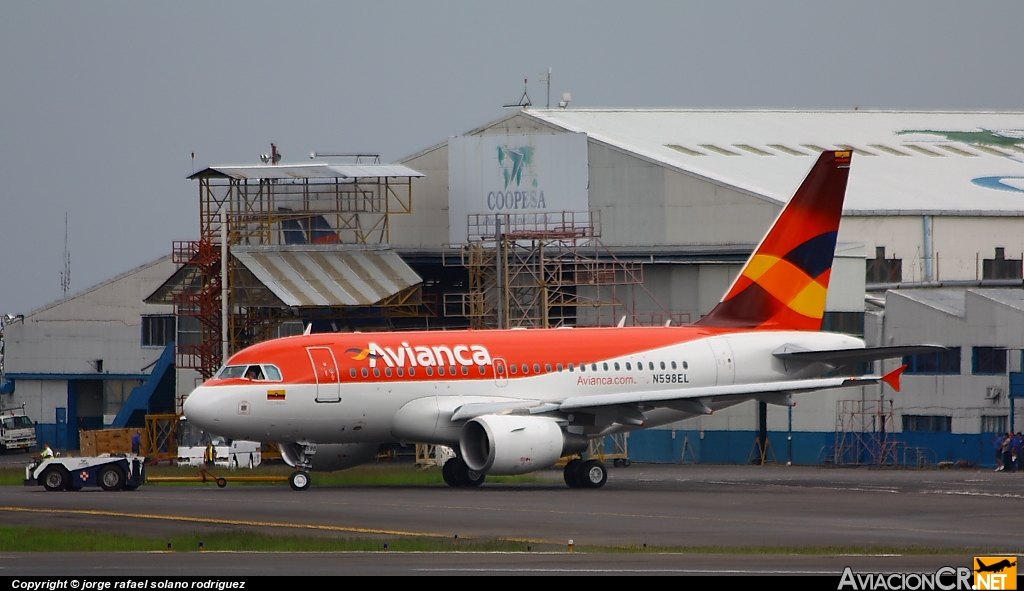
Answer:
[(299, 480), (456, 473), (585, 474)]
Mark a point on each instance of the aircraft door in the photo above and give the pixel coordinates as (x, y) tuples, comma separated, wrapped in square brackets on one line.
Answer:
[(325, 368), (500, 372), (725, 362)]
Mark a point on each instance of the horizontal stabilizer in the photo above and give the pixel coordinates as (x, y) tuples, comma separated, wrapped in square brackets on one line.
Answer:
[(859, 355)]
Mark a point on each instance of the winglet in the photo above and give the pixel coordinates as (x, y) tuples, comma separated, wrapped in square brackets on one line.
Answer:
[(893, 377)]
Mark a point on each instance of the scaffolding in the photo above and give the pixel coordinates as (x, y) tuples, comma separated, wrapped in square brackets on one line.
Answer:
[(543, 270), (865, 434), (279, 207)]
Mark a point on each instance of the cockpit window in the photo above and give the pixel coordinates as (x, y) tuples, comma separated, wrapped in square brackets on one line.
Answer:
[(251, 372), (231, 371)]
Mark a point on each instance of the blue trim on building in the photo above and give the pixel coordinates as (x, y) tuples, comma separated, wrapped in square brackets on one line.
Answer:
[(77, 376), (810, 448), (138, 400)]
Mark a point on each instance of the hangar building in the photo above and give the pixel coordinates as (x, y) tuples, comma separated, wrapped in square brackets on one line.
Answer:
[(651, 214)]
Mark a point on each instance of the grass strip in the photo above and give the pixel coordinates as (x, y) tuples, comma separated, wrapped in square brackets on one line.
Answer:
[(370, 475), (35, 539)]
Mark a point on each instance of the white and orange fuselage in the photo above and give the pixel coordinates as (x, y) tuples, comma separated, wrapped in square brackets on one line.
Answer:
[(404, 386)]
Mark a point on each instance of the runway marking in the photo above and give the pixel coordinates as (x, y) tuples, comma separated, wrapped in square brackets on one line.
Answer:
[(220, 521)]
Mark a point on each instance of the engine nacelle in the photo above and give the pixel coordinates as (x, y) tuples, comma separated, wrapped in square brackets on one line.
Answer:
[(333, 456), (515, 444)]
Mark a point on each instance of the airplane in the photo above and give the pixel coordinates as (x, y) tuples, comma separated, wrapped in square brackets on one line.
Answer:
[(515, 401), (994, 567)]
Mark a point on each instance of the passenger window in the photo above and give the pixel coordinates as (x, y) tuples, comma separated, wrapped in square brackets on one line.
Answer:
[(662, 365), (352, 372), (593, 367), (685, 366), (571, 367), (465, 370), (412, 371), (673, 365), (536, 368), (440, 370), (526, 369), (547, 367), (430, 371), (400, 372), (451, 370), (514, 368), (366, 373), (650, 364), (387, 371), (483, 369), (583, 367), (616, 366), (376, 372), (605, 366), (273, 374), (501, 370)]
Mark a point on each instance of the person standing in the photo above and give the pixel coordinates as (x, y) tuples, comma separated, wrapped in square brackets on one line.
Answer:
[(1006, 450), (211, 455), (136, 443)]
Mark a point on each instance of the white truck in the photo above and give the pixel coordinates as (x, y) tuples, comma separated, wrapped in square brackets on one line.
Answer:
[(109, 472), (237, 454), (17, 431)]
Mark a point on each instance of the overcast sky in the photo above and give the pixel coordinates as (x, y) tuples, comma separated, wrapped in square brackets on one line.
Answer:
[(102, 103)]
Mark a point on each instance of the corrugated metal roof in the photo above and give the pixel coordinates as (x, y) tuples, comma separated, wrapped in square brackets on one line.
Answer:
[(962, 163), (311, 171), (313, 275)]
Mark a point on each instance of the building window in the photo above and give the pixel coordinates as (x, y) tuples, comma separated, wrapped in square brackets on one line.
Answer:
[(1001, 267), (157, 331), (988, 360), (943, 362), (883, 270), (993, 424), (928, 423)]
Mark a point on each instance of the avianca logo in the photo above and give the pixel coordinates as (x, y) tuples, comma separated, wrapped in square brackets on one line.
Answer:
[(409, 356)]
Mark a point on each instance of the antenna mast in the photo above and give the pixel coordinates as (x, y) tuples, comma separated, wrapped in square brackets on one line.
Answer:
[(65, 275)]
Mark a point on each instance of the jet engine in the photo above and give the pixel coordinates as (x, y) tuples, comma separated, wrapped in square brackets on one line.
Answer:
[(514, 444), (332, 456)]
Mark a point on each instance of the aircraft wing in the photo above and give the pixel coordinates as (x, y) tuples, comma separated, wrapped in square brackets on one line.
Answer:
[(665, 397), (859, 355), (690, 399)]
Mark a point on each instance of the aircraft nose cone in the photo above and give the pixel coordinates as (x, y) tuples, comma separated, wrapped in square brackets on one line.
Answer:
[(198, 408)]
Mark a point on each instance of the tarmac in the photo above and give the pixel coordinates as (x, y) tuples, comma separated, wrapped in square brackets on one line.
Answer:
[(873, 513)]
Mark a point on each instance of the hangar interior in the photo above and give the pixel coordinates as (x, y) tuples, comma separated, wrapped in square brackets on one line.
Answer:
[(581, 217)]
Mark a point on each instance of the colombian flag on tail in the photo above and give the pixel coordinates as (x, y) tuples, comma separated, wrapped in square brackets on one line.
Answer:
[(784, 284)]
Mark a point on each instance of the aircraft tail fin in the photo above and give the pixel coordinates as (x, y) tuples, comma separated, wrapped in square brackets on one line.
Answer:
[(784, 284)]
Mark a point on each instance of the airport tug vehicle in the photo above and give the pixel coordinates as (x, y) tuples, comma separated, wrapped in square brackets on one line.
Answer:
[(111, 473)]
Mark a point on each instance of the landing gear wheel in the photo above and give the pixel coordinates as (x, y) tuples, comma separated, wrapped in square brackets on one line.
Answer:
[(593, 474), (55, 478), (299, 480), (111, 478), (222, 482), (473, 478), (456, 473), (572, 473), (448, 473)]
